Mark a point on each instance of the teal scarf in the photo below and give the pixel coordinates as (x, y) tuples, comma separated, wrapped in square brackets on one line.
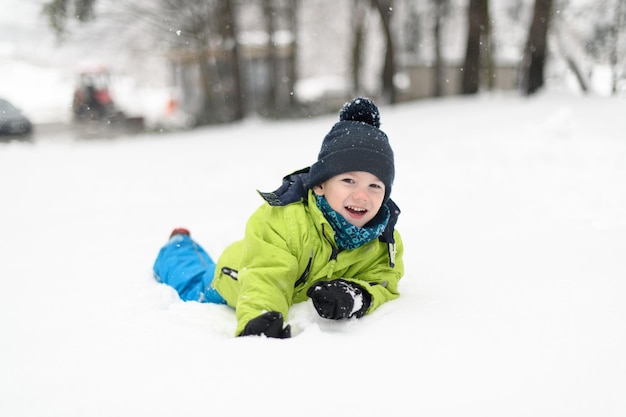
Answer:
[(347, 235)]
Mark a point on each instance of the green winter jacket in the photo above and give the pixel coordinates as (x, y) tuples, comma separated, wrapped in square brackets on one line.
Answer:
[(288, 248)]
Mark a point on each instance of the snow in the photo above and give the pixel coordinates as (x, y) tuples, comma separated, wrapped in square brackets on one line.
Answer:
[(513, 302)]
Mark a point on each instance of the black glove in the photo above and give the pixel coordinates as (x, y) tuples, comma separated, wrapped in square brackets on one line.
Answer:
[(336, 299), (269, 324)]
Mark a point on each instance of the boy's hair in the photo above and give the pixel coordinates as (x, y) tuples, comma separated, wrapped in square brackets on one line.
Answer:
[(355, 143)]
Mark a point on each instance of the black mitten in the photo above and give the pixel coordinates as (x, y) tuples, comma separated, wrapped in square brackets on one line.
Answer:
[(338, 298), (269, 324)]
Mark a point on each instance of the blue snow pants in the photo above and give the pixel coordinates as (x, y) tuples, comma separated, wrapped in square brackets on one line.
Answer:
[(184, 265)]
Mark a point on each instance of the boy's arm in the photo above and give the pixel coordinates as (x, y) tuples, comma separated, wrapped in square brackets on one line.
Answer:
[(267, 281), (354, 297)]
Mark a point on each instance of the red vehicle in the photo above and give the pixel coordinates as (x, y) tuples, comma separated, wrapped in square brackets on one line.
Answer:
[(92, 100)]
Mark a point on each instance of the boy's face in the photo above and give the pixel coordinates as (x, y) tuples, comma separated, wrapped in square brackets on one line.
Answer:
[(356, 195)]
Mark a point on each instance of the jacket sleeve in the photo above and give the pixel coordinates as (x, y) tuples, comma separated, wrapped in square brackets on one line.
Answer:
[(380, 279), (267, 280)]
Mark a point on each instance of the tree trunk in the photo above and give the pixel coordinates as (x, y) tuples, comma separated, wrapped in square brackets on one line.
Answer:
[(617, 26), (486, 46), (471, 68), (440, 10), (535, 52), (358, 31), (228, 30), (388, 88), (272, 87), (207, 112), (293, 55)]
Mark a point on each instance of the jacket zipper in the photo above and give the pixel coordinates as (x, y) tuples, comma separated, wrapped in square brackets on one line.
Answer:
[(334, 250)]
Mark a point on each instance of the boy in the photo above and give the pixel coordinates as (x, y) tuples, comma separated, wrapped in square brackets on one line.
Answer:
[(328, 233)]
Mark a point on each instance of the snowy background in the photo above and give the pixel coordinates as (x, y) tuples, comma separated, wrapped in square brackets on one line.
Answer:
[(513, 302)]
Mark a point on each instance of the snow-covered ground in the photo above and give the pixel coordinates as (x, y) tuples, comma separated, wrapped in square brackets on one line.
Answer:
[(513, 302)]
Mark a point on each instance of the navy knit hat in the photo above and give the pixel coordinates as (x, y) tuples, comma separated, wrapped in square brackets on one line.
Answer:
[(355, 143)]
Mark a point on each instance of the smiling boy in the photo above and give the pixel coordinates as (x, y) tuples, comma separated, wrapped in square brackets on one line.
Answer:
[(357, 196), (328, 234)]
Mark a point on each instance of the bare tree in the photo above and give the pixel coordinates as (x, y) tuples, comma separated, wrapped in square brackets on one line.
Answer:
[(292, 75), (227, 27), (477, 40), (535, 51), (589, 34), (561, 46), (608, 37), (619, 20), (358, 33), (618, 28), (269, 13), (486, 44), (279, 21), (385, 8), (195, 18), (59, 10), (439, 13)]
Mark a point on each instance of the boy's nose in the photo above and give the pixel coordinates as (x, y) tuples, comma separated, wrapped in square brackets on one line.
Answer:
[(359, 195)]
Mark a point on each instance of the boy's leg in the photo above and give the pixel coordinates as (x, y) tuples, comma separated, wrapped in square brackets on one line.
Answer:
[(184, 265)]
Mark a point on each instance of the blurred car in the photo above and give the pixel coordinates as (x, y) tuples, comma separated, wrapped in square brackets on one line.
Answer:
[(12, 121)]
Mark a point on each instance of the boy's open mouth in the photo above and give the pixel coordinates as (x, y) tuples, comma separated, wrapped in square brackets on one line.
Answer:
[(356, 212)]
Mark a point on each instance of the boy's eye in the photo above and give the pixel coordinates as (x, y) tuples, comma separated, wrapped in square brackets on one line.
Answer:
[(377, 186), (348, 180)]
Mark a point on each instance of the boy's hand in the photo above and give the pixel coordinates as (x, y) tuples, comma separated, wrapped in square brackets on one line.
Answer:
[(269, 324), (339, 299)]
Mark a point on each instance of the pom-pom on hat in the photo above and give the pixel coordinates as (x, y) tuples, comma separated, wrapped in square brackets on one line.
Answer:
[(355, 143)]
